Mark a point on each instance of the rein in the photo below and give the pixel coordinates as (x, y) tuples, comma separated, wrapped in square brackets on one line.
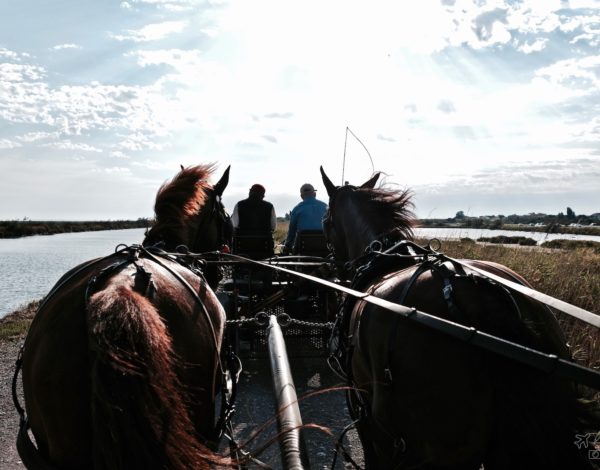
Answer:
[(548, 363), (565, 307)]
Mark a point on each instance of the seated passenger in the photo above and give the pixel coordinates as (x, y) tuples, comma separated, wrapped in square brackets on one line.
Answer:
[(307, 215), (254, 215)]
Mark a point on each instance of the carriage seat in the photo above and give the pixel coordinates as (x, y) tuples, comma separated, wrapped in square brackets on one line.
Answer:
[(310, 243), (253, 244)]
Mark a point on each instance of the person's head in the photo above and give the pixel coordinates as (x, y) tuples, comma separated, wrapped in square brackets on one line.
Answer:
[(307, 190), (257, 191)]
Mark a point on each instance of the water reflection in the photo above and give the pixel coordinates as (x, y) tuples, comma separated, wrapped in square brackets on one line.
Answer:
[(474, 234), (30, 266)]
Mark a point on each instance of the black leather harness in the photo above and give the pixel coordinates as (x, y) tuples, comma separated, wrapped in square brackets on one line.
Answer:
[(372, 266), (30, 454)]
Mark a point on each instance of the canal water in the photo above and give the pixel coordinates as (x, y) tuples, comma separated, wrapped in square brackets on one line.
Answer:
[(475, 233), (30, 266)]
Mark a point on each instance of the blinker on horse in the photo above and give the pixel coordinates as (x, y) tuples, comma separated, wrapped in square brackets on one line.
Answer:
[(121, 364), (423, 399)]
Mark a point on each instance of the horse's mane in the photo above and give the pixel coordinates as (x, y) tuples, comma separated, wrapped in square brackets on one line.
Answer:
[(391, 210), (178, 202)]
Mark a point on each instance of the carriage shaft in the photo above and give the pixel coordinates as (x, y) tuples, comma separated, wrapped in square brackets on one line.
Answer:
[(289, 420)]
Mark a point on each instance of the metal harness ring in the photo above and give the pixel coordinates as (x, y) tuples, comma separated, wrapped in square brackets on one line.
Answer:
[(284, 320), (375, 246), (262, 318)]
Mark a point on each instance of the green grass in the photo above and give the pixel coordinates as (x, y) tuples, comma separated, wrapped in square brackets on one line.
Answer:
[(13, 329), (14, 326), (280, 232), (572, 244)]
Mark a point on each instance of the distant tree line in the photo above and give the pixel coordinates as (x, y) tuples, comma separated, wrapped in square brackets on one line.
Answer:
[(561, 222), (24, 228)]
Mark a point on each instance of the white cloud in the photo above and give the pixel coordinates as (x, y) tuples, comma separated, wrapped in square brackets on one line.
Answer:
[(10, 72), (576, 74), (178, 3), (162, 165), (137, 141), (514, 176), (68, 145), (119, 154), (6, 54), (117, 169), (9, 144), (60, 47), (535, 46), (37, 136), (152, 32)]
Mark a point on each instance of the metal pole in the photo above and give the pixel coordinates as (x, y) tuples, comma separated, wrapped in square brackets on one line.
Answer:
[(289, 421)]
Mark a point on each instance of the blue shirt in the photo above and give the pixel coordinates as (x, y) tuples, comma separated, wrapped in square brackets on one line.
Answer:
[(308, 215)]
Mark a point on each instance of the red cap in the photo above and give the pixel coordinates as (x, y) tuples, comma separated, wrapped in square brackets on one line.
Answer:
[(257, 188)]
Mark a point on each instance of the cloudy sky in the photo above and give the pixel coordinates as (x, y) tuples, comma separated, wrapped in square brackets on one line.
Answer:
[(490, 107)]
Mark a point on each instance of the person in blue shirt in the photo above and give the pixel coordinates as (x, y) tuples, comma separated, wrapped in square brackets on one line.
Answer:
[(307, 215)]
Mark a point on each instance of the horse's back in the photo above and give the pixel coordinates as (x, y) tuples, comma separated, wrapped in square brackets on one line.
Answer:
[(62, 349), (449, 402), (440, 391), (55, 359), (547, 335)]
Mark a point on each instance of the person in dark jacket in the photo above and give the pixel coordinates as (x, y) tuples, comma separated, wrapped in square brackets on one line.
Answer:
[(254, 214)]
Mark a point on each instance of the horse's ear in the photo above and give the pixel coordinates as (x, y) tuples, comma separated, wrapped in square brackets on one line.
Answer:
[(222, 183), (329, 186), (371, 183), (182, 168)]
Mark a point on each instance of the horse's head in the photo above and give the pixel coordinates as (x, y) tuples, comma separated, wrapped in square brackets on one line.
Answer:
[(340, 206), (359, 215), (215, 229), (189, 212)]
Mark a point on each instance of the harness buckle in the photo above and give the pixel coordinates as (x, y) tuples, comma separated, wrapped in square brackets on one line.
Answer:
[(374, 247), (447, 290), (387, 373)]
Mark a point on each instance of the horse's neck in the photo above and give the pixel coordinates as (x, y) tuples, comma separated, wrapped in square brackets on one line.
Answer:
[(358, 237)]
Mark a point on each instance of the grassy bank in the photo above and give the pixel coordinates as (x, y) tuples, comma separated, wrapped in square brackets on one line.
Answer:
[(14, 325), (586, 230)]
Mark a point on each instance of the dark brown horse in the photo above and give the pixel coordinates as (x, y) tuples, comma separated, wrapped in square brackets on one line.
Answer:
[(121, 364), (427, 400)]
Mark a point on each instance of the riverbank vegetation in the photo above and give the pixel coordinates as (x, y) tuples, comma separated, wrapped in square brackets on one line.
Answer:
[(560, 243), (524, 241), (24, 228), (15, 324), (568, 223)]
